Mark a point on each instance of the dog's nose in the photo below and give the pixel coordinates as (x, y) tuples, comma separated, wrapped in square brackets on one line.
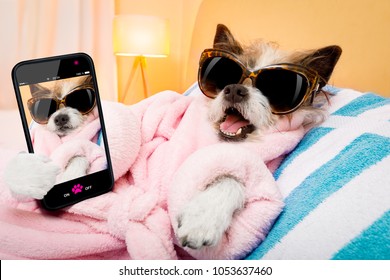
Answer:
[(235, 93), (61, 119)]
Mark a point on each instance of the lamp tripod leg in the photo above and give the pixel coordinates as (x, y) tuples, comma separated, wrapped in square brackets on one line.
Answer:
[(143, 73), (137, 61)]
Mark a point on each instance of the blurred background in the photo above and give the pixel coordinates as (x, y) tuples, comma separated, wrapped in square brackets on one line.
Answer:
[(38, 28)]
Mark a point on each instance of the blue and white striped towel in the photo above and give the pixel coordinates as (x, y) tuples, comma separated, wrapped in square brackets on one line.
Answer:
[(336, 186)]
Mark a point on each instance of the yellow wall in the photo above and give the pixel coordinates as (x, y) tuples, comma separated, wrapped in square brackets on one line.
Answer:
[(162, 73)]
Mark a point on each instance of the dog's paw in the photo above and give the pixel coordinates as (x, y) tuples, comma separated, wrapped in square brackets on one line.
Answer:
[(30, 175), (204, 220), (201, 226), (76, 167)]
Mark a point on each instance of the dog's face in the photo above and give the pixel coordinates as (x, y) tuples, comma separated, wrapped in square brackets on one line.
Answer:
[(245, 103), (66, 118)]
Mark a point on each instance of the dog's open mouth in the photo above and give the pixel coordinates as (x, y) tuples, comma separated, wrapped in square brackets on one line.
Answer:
[(234, 126), (63, 130)]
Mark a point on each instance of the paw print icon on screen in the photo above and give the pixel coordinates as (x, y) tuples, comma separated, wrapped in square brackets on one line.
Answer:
[(77, 189)]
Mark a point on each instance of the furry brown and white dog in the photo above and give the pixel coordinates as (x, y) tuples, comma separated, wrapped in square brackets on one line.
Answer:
[(247, 99), (71, 100), (67, 118), (251, 86)]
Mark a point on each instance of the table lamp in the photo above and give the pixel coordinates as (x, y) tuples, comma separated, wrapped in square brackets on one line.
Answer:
[(140, 36)]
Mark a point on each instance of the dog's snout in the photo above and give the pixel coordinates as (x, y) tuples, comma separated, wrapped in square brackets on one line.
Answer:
[(61, 119), (235, 93)]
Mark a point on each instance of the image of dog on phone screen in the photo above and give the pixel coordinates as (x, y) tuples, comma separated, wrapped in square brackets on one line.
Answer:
[(65, 126)]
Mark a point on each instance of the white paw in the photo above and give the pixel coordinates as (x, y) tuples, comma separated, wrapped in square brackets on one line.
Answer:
[(76, 167), (30, 175), (204, 220), (199, 225)]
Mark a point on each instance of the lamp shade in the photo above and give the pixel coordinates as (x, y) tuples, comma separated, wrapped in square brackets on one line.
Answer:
[(139, 35)]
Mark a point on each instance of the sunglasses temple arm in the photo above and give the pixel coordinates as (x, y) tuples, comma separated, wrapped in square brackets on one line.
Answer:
[(315, 92)]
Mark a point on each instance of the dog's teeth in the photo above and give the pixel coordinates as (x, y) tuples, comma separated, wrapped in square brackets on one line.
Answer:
[(239, 131), (231, 134)]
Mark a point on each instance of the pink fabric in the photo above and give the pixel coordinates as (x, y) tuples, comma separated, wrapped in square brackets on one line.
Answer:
[(163, 150)]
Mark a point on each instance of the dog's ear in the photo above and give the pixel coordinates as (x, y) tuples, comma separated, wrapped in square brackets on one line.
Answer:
[(323, 61), (224, 40), (88, 81), (38, 90)]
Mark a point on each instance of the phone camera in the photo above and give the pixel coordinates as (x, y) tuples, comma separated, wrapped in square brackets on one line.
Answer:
[(76, 62)]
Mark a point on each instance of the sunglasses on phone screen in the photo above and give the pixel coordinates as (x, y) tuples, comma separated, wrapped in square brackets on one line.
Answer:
[(81, 98)]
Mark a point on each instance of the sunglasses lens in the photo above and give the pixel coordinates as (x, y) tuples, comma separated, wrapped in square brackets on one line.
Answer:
[(284, 89), (83, 100), (216, 73), (42, 109)]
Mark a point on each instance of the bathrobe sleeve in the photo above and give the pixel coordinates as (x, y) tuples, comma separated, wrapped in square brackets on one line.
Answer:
[(263, 201)]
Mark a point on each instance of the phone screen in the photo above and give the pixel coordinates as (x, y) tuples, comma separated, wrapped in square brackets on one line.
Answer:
[(62, 118)]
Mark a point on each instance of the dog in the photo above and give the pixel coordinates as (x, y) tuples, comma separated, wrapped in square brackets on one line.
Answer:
[(63, 121), (240, 111), (66, 119), (239, 82)]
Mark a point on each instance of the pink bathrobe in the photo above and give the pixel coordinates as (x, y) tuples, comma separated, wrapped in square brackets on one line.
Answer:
[(164, 151)]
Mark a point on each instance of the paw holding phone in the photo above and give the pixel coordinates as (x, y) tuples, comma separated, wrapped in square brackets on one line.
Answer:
[(39, 176)]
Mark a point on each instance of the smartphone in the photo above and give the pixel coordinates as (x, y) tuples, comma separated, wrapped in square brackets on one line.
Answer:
[(62, 118)]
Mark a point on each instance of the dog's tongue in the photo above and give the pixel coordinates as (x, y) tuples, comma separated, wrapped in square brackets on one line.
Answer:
[(233, 123)]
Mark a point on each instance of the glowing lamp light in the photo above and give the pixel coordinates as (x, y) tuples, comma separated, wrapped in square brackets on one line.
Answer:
[(140, 36)]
